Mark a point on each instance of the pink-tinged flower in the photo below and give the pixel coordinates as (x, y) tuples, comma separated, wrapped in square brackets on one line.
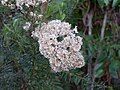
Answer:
[(58, 42)]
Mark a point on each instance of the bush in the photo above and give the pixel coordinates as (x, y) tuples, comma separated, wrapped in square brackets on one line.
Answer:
[(23, 67)]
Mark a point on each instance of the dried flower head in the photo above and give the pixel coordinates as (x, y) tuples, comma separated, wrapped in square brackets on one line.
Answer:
[(19, 3), (58, 42)]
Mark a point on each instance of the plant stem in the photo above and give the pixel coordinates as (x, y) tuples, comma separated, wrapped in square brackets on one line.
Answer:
[(103, 26), (90, 62), (90, 17)]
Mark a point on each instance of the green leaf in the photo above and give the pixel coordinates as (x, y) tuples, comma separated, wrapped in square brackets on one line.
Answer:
[(63, 16), (76, 80), (114, 67), (106, 2), (58, 88), (115, 2), (118, 53), (101, 3), (4, 9), (99, 73), (99, 70), (15, 22)]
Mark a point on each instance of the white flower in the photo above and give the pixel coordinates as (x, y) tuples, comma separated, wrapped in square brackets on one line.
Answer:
[(27, 26), (43, 1), (32, 14), (3, 2), (19, 3), (75, 29), (58, 42), (40, 16)]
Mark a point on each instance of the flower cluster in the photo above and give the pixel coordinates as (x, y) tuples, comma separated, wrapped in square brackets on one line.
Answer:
[(4, 1), (20, 3), (58, 42), (8, 3), (27, 26)]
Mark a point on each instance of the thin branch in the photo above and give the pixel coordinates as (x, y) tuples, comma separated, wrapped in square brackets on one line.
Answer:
[(90, 17), (104, 26), (90, 69), (87, 20)]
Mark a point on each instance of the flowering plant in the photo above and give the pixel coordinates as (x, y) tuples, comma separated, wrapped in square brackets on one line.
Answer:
[(42, 45), (58, 42)]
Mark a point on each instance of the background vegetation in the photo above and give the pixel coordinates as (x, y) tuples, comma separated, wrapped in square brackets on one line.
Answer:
[(22, 67)]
